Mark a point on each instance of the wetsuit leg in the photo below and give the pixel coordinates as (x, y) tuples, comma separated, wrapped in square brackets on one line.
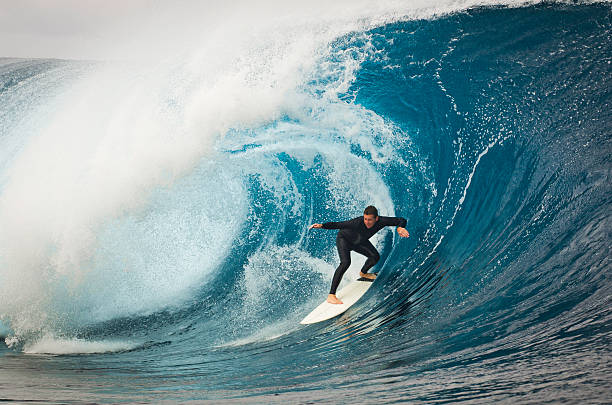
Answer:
[(367, 249), (344, 251)]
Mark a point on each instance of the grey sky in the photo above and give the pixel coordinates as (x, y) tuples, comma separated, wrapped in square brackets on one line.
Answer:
[(120, 29), (79, 29)]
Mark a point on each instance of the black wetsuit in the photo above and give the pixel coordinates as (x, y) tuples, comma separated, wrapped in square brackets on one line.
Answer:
[(354, 235)]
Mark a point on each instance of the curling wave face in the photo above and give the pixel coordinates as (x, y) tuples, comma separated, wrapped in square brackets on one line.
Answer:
[(159, 216)]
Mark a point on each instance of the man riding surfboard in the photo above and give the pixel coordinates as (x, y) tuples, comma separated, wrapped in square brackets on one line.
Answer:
[(354, 235)]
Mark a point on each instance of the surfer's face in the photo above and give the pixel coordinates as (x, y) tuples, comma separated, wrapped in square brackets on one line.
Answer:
[(369, 220)]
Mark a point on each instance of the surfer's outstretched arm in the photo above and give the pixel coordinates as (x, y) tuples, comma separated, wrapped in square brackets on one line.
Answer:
[(399, 222), (352, 223)]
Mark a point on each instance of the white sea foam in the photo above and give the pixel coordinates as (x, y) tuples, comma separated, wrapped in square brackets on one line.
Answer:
[(51, 345)]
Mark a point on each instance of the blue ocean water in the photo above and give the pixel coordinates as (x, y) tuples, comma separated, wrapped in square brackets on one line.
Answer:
[(154, 242)]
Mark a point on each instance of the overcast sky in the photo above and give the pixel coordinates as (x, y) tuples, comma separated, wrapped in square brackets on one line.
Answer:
[(120, 29), (99, 29), (110, 29), (64, 28)]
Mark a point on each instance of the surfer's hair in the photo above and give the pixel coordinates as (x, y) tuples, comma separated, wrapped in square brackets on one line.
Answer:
[(370, 210)]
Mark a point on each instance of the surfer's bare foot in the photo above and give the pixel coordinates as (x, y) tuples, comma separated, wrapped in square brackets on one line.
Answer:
[(332, 299), (369, 276)]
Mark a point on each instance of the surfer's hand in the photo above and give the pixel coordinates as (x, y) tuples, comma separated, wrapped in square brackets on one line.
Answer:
[(317, 226), (403, 232)]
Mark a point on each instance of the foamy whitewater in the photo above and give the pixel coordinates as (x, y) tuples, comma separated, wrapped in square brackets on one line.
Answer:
[(156, 191)]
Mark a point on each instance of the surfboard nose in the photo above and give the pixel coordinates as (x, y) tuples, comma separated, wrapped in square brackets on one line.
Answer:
[(349, 295)]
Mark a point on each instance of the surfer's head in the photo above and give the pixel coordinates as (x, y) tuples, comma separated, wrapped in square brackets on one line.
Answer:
[(370, 216)]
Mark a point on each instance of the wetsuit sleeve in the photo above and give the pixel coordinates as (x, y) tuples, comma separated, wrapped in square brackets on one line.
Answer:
[(393, 221), (340, 225)]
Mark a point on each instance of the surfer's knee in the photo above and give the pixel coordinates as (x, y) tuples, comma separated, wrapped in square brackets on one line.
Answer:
[(375, 257), (345, 263)]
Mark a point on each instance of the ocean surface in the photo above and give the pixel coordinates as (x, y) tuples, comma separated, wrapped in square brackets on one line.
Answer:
[(154, 242)]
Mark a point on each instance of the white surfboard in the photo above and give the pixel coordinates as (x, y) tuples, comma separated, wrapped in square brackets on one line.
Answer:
[(348, 295)]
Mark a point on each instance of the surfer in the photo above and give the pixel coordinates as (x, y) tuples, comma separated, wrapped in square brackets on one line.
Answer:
[(354, 235)]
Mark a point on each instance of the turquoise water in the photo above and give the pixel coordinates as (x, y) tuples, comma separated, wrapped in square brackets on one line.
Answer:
[(153, 223)]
